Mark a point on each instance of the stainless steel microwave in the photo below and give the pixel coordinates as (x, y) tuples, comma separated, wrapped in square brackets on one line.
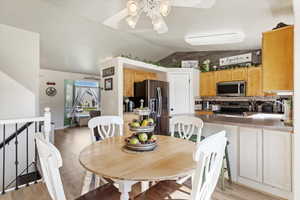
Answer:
[(232, 89)]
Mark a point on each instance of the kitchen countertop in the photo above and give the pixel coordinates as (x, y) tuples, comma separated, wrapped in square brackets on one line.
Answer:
[(267, 122)]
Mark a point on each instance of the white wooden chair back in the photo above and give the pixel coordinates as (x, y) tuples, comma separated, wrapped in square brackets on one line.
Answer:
[(51, 161), (106, 125), (186, 127), (209, 158)]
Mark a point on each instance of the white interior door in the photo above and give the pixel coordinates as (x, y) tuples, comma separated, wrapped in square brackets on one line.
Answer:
[(180, 93)]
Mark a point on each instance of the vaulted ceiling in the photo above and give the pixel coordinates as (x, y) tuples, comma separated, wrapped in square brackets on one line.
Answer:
[(73, 37)]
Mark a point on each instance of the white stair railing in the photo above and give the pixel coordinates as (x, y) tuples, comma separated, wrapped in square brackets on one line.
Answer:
[(18, 154)]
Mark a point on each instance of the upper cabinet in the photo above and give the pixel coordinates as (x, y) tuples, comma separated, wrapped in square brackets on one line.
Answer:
[(128, 81), (254, 82), (223, 76), (277, 49), (207, 84), (239, 74), (131, 76), (252, 75)]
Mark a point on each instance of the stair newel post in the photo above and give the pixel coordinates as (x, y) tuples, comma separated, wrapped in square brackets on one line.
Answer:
[(47, 123)]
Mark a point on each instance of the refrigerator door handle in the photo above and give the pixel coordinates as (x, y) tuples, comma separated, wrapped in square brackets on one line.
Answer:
[(159, 97)]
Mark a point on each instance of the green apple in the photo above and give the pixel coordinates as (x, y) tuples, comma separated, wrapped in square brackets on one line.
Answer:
[(150, 120), (135, 124), (134, 140), (153, 138), (143, 137)]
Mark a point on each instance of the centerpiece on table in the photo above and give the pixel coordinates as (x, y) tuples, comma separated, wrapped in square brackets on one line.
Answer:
[(142, 138)]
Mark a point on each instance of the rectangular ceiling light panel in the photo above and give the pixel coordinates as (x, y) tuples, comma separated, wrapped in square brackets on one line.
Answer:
[(215, 38)]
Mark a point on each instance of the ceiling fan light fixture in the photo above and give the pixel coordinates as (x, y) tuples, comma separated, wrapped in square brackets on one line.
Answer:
[(165, 7), (132, 20), (215, 38), (132, 7), (159, 25)]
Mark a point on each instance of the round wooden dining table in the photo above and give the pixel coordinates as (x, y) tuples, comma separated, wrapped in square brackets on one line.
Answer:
[(172, 158)]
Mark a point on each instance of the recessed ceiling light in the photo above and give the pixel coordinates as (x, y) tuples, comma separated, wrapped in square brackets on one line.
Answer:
[(215, 38)]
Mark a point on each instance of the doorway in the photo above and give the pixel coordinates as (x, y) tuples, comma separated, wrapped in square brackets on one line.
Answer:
[(81, 97)]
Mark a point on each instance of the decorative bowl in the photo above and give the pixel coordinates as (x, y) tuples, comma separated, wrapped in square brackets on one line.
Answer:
[(141, 147), (142, 112), (144, 129)]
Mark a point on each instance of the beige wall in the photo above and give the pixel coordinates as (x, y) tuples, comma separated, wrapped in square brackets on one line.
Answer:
[(57, 102), (19, 67), (112, 100)]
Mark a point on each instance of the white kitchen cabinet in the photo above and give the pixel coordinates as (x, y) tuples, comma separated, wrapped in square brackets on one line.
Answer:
[(277, 159), (250, 154), (232, 136)]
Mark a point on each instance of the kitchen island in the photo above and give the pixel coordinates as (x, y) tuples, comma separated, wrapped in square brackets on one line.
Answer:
[(259, 120), (260, 150)]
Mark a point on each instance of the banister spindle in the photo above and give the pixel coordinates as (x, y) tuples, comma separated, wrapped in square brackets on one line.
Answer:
[(16, 161), (27, 153), (35, 154), (3, 161)]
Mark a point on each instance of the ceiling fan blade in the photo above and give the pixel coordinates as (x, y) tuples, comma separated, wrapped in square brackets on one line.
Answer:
[(114, 21), (194, 3)]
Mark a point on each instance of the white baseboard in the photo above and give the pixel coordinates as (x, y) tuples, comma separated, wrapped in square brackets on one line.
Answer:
[(265, 188)]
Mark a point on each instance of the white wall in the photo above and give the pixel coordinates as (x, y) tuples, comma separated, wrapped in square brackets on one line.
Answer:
[(19, 75), (19, 64), (112, 100), (297, 102), (57, 102)]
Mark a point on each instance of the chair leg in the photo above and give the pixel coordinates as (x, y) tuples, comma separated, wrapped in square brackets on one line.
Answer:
[(223, 176), (86, 183), (228, 164)]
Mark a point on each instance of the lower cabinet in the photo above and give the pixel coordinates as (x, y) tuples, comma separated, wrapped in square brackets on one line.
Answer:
[(250, 154), (277, 161), (259, 158), (265, 160)]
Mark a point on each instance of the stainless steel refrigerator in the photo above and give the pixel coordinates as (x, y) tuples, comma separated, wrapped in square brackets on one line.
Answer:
[(156, 96)]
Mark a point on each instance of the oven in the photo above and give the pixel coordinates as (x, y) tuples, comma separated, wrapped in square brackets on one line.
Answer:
[(231, 89)]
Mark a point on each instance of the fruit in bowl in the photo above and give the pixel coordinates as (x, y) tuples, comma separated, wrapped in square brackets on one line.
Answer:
[(141, 138), (144, 123), (135, 124), (134, 140)]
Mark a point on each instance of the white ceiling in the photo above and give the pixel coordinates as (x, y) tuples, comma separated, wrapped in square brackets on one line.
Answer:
[(73, 37)]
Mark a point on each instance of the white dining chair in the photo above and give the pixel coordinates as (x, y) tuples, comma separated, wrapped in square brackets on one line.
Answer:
[(185, 127), (50, 161), (209, 157), (101, 127), (106, 126)]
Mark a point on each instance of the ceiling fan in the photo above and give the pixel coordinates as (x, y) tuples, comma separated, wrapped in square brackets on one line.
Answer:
[(156, 10)]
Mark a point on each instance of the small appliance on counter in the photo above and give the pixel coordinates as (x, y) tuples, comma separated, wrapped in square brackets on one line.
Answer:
[(288, 114)]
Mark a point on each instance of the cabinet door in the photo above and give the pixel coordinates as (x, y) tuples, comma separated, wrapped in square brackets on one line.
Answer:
[(277, 59), (254, 83), (232, 137), (250, 154), (239, 74), (223, 76), (277, 163), (128, 81), (207, 84)]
